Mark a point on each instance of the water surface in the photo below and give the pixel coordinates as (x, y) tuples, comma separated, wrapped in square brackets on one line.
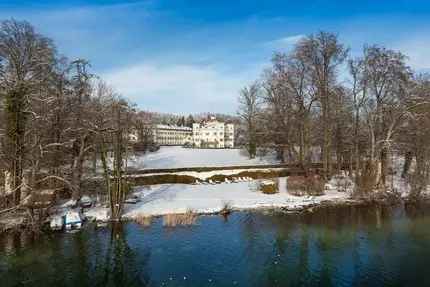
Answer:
[(348, 246)]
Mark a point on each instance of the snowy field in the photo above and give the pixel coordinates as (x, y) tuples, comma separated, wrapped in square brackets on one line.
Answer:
[(177, 157), (180, 198)]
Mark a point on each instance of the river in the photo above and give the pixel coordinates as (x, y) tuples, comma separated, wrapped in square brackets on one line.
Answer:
[(336, 246)]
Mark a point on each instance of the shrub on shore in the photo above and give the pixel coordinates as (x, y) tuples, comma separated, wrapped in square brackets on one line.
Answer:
[(302, 185), (269, 186), (226, 209)]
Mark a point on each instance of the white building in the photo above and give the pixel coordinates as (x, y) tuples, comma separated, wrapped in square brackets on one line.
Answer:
[(172, 135), (213, 134)]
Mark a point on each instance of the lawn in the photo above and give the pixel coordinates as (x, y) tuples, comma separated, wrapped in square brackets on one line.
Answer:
[(177, 157)]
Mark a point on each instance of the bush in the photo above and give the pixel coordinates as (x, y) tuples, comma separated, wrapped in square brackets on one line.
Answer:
[(226, 209), (343, 183), (366, 181), (269, 186), (302, 185)]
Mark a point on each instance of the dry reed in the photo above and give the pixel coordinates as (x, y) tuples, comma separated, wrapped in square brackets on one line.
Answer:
[(187, 218)]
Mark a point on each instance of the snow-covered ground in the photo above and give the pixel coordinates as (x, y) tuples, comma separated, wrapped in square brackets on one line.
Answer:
[(177, 157), (204, 198)]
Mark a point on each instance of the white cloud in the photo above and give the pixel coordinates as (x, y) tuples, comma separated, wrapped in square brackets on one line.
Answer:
[(178, 88), (285, 42), (417, 50)]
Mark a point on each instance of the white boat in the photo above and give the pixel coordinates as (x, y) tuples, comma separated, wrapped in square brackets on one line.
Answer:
[(73, 220), (101, 224), (132, 200), (86, 201), (71, 203), (56, 222)]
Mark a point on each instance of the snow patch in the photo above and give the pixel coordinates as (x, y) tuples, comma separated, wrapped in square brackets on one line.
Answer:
[(178, 198), (178, 157)]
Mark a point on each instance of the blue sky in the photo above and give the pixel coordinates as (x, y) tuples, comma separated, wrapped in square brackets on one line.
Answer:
[(194, 56)]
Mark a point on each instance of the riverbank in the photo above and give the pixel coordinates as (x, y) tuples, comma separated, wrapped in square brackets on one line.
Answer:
[(201, 198), (213, 198), (19, 220), (219, 192)]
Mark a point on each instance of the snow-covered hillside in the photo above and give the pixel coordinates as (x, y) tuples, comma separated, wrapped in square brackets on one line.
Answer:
[(177, 157)]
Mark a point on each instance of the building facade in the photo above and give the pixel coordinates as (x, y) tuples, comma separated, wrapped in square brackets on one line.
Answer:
[(172, 135), (213, 134), (209, 134)]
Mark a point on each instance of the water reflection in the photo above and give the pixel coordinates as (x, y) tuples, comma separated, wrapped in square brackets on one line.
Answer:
[(353, 246), (87, 258), (342, 246)]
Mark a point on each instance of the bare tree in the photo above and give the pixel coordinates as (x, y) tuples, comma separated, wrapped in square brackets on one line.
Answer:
[(26, 60), (249, 110), (388, 78), (323, 54), (359, 86)]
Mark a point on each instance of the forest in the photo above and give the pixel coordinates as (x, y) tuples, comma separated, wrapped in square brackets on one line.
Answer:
[(362, 113), (56, 115)]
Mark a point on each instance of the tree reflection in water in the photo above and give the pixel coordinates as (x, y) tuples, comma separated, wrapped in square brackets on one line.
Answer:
[(120, 266), (87, 258), (337, 246), (340, 246)]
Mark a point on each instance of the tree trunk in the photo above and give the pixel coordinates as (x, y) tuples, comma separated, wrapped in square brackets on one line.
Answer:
[(356, 142), (384, 166), (76, 178), (407, 164)]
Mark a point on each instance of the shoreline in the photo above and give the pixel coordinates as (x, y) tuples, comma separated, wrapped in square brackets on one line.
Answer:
[(15, 223)]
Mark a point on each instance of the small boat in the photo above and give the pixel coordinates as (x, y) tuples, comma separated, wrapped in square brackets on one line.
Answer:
[(86, 201), (132, 200), (72, 203), (73, 220), (56, 223), (101, 224)]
